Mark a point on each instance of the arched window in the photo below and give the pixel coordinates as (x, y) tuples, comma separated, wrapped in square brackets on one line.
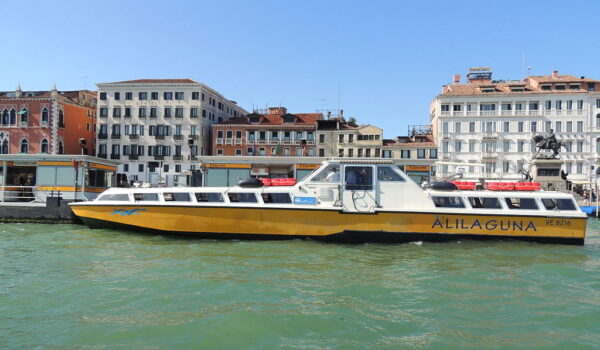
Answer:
[(44, 146), (61, 119), (61, 149), (13, 117), (5, 117), (4, 147), (24, 146), (598, 145), (598, 120), (45, 115), (24, 115)]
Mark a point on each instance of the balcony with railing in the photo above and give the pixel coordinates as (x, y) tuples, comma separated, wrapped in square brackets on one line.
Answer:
[(159, 157), (178, 157), (134, 136), (159, 137), (193, 137), (229, 141), (219, 141), (115, 136), (115, 156), (133, 157), (178, 137), (102, 155), (102, 136)]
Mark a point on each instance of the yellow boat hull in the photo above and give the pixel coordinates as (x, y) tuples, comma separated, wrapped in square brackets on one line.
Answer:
[(228, 222)]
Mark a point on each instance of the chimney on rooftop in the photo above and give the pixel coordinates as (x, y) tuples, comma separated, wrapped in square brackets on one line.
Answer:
[(456, 78), (555, 74), (277, 110)]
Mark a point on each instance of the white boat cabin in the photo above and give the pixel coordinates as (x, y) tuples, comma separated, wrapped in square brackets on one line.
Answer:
[(354, 186)]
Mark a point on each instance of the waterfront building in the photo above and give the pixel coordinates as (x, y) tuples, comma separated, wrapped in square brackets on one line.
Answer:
[(490, 124), (34, 177), (337, 138), (274, 132), (158, 127), (47, 122), (417, 151)]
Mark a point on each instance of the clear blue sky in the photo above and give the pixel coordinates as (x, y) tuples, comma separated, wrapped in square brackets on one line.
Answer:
[(389, 58)]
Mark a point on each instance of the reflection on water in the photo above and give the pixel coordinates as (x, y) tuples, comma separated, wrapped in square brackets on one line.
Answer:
[(66, 286)]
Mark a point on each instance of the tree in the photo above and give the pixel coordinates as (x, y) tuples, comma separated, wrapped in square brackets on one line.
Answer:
[(352, 122)]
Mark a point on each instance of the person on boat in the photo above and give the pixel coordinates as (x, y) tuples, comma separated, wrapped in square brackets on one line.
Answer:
[(333, 176)]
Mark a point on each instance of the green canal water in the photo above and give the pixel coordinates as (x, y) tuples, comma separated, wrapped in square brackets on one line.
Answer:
[(68, 287)]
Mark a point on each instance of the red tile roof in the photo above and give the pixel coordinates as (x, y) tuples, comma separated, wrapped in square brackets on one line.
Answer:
[(156, 81), (277, 119)]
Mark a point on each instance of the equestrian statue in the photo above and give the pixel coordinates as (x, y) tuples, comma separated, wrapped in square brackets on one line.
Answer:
[(547, 142)]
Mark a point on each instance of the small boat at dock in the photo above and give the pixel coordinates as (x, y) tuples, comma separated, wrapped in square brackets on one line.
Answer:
[(348, 200)]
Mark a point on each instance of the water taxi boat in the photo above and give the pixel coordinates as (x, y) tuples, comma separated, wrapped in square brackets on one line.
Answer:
[(343, 200)]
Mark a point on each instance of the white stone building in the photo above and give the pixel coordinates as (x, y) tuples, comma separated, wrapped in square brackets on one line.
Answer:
[(158, 127), (493, 123)]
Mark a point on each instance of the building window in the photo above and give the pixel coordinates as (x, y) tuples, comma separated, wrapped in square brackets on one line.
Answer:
[(193, 112), (521, 126), (506, 146), (322, 138), (404, 154), (153, 112), (167, 112), (61, 148), (195, 95), (127, 112), (505, 167), (457, 127), (579, 126), (61, 119), (558, 127), (103, 96), (341, 138), (154, 95), (103, 113), (445, 146), (506, 127), (520, 146), (569, 126), (167, 95), (350, 152), (142, 112), (117, 112), (44, 146), (457, 146), (129, 96), (471, 146), (433, 153), (179, 95), (579, 146), (179, 112), (24, 146), (143, 95), (421, 152), (533, 126), (471, 126), (321, 152)]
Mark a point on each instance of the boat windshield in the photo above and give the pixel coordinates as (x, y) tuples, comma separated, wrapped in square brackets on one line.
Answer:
[(330, 174)]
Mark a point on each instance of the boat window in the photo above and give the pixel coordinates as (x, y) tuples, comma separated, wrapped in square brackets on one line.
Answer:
[(448, 202), (145, 196), (242, 198), (485, 203), (330, 174), (386, 173), (277, 198), (115, 197), (176, 197), (521, 203), (359, 178), (560, 204), (209, 197)]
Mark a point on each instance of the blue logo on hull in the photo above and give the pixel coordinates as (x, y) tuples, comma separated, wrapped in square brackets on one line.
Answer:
[(124, 212)]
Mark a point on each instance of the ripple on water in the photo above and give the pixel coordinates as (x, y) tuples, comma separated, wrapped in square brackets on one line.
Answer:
[(67, 287)]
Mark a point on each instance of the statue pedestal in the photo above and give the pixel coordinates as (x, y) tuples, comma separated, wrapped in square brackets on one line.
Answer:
[(547, 172)]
